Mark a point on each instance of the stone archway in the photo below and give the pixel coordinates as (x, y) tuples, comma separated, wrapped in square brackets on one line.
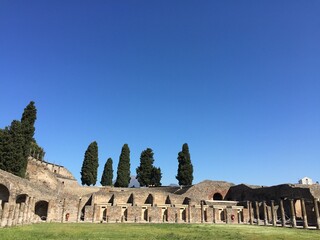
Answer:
[(217, 196), (4, 194), (149, 199), (21, 198), (41, 209)]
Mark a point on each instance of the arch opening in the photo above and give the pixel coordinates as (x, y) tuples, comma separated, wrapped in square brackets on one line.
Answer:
[(217, 196), (149, 200), (22, 198), (41, 209), (4, 194)]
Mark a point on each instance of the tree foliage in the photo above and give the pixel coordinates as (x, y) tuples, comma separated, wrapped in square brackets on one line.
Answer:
[(123, 171), (107, 175), (28, 120), (156, 176), (147, 174), (90, 165), (15, 142), (185, 168)]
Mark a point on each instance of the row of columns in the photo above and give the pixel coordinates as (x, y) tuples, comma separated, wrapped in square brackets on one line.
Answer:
[(17, 213), (282, 212)]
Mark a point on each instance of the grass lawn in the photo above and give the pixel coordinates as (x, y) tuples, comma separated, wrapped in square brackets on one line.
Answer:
[(83, 231)]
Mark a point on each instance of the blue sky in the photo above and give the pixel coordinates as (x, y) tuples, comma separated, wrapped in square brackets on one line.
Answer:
[(238, 81)]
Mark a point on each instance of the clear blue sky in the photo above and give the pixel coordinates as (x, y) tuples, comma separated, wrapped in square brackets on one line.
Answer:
[(239, 81)]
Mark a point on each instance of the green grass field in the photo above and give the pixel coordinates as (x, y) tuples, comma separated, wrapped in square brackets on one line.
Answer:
[(89, 231)]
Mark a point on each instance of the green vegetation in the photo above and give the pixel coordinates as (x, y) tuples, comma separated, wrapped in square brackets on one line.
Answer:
[(89, 231), (90, 165), (147, 174), (107, 175), (185, 168), (123, 171), (16, 142)]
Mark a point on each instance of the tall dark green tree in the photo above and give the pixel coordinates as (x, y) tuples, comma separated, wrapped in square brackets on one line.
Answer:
[(123, 171), (144, 171), (12, 157), (90, 165), (28, 120), (185, 168), (15, 141), (107, 175), (147, 174), (3, 136), (156, 176)]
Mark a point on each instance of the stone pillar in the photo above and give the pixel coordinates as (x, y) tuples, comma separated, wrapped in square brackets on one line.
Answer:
[(304, 214), (189, 212), (202, 212), (10, 216), (26, 216), (30, 209), (79, 210), (21, 212), (50, 205), (214, 215), (283, 216), (63, 210), (5, 214), (250, 212), (273, 214), (265, 219), (94, 212), (0, 209), (316, 210), (293, 214), (257, 212), (16, 214)]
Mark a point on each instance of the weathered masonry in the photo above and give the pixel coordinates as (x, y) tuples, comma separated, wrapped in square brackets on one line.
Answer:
[(52, 194)]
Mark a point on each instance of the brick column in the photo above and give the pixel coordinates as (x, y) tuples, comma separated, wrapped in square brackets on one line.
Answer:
[(16, 214), (283, 217), (189, 212), (257, 212), (79, 210), (31, 210), (293, 214), (250, 212), (94, 212), (214, 215), (63, 210), (50, 203), (273, 214), (26, 216), (304, 214), (10, 216), (202, 212), (265, 219), (21, 211), (5, 214), (0, 209), (316, 210)]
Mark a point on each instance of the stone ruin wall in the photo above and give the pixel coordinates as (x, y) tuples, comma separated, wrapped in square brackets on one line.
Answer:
[(52, 191)]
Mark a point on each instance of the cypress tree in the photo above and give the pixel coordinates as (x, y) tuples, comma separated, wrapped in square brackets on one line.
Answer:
[(90, 165), (156, 176), (144, 171), (147, 174), (185, 168), (123, 171), (12, 156), (107, 175), (2, 141), (15, 142), (28, 120)]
